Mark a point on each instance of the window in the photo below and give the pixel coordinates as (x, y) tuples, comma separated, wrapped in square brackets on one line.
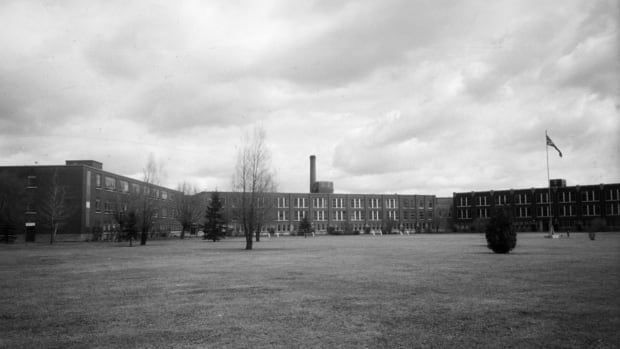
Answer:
[(357, 215), (591, 210), (374, 203), (32, 182), (589, 196), (337, 203), (566, 211), (97, 205), (613, 209), (500, 199), (318, 202), (463, 213), (393, 215), (483, 213), (463, 201), (110, 183), (98, 181), (522, 199), (566, 197), (543, 211), (613, 195), (164, 195), (339, 215), (300, 203), (523, 212), (282, 202), (124, 186), (482, 201), (375, 215), (318, 215), (390, 203), (543, 198), (299, 215)]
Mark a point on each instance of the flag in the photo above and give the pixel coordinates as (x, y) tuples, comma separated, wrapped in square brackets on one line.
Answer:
[(551, 144)]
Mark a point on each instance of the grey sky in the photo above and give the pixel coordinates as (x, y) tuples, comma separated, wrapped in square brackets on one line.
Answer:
[(426, 97)]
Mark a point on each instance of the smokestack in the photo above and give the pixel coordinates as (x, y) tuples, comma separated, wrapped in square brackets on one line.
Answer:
[(312, 172)]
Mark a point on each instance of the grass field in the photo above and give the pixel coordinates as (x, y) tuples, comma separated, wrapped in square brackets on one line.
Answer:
[(345, 292)]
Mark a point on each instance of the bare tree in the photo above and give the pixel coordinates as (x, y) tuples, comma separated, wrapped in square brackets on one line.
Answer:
[(55, 209), (253, 180), (146, 203), (188, 210)]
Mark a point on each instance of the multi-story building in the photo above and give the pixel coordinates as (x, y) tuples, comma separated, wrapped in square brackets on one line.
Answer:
[(567, 207), (93, 199), (443, 222), (340, 212)]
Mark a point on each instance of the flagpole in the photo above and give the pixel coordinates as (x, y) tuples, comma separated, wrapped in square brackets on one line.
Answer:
[(549, 187)]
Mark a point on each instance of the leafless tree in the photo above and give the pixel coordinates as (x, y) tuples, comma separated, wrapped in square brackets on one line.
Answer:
[(55, 208), (253, 180), (188, 211), (146, 201)]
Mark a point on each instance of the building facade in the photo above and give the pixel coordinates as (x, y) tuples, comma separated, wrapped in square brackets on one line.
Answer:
[(343, 213), (93, 198), (567, 207)]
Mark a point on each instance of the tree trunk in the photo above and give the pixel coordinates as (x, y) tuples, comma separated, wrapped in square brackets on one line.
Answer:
[(53, 234), (182, 233), (258, 236), (248, 241), (143, 237)]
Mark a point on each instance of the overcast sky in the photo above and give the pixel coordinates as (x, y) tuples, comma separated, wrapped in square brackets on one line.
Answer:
[(398, 96)]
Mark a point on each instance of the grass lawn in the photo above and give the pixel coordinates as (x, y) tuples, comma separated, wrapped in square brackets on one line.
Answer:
[(329, 291)]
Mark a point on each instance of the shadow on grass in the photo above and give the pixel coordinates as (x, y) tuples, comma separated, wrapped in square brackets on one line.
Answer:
[(255, 249), (521, 253)]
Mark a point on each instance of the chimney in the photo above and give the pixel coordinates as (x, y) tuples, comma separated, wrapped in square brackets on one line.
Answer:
[(312, 172)]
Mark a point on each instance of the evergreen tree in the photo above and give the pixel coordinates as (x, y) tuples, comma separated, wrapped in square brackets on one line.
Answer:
[(214, 222), (304, 226), (500, 235), (129, 223)]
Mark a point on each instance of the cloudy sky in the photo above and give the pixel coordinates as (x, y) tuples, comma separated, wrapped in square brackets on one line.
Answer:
[(392, 96)]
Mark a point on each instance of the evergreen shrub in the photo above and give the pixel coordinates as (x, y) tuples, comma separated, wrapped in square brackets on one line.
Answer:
[(501, 237)]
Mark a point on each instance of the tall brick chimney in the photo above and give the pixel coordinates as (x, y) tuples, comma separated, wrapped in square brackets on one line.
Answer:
[(312, 172)]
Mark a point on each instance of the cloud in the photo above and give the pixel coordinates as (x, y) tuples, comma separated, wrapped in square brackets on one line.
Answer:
[(392, 96)]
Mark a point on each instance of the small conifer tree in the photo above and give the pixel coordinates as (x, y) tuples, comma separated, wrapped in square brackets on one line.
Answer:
[(214, 221), (501, 237), (304, 227)]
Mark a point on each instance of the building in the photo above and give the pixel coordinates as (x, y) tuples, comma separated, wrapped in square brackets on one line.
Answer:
[(342, 213), (345, 213), (572, 208), (443, 222), (93, 198)]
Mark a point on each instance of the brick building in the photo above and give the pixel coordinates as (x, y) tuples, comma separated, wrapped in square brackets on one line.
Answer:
[(94, 198), (341, 212), (568, 207)]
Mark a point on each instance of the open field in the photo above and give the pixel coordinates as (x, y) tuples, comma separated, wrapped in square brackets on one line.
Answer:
[(347, 292)]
